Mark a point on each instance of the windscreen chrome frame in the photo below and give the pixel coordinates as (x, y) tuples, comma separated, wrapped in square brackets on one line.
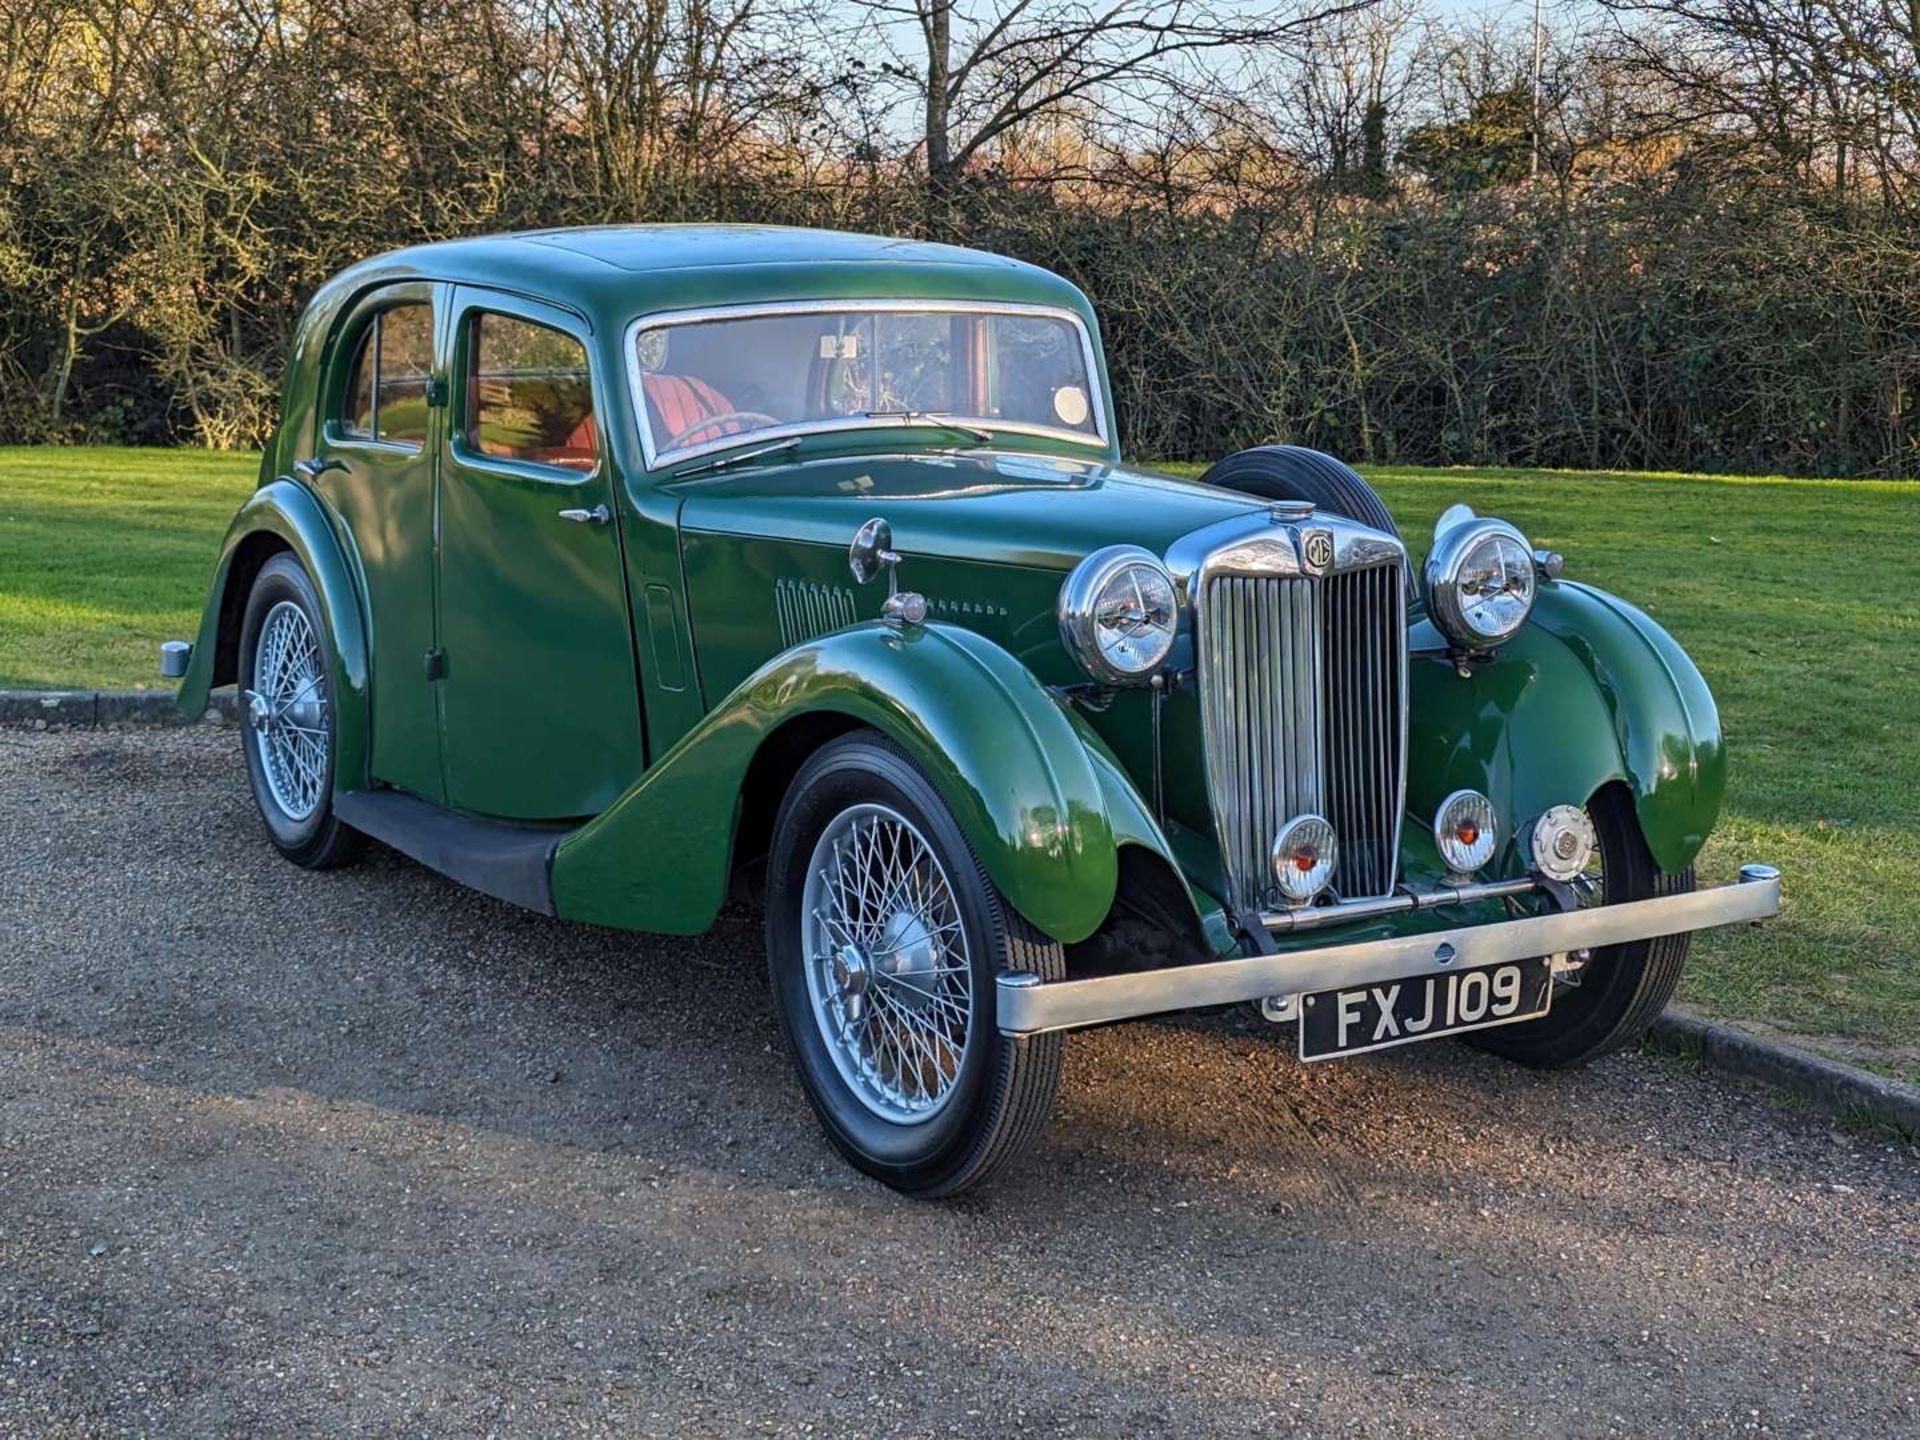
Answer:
[(668, 319)]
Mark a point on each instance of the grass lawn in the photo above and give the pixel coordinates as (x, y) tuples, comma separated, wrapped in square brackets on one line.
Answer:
[(104, 554), (1796, 597)]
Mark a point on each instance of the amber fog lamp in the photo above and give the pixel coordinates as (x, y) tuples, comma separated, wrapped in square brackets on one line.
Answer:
[(1480, 578), (1118, 614), (1465, 831), (1562, 842), (1304, 855)]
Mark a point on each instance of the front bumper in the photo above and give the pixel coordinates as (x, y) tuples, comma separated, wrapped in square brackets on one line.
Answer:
[(1029, 1006)]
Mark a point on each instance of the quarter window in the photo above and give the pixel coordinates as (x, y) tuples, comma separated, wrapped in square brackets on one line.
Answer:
[(528, 394), (386, 395)]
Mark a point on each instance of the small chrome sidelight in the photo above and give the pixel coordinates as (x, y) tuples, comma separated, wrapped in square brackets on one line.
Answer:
[(1304, 856), (1466, 831)]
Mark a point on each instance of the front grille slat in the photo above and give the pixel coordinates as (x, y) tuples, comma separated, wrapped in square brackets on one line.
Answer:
[(1302, 709)]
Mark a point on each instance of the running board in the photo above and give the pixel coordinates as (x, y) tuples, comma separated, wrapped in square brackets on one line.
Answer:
[(509, 861)]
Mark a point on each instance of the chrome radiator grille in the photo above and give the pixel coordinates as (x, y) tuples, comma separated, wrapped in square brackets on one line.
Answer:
[(1303, 708)]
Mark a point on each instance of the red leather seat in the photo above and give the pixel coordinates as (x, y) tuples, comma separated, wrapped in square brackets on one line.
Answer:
[(681, 402), (581, 451)]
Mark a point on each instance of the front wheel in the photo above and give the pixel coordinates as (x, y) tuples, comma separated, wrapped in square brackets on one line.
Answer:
[(884, 941), (1617, 995)]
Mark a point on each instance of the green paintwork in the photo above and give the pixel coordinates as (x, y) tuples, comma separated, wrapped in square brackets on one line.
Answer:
[(1662, 714), (1000, 751), (533, 613), (381, 501), (285, 515), (631, 673), (1589, 692), (989, 535)]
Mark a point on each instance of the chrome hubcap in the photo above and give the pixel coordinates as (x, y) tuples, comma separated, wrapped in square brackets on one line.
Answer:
[(287, 711), (888, 969), (850, 970)]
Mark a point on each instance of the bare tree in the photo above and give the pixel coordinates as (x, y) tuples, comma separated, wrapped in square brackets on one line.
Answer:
[(1829, 89), (981, 71), (1346, 91)]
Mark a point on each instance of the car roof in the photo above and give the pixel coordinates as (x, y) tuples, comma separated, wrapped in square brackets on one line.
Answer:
[(613, 272)]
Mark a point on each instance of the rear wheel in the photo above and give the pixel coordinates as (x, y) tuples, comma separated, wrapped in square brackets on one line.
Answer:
[(288, 719), (1293, 472), (1617, 995), (884, 941)]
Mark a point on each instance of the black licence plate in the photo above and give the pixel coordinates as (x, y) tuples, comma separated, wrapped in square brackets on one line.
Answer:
[(1399, 1012)]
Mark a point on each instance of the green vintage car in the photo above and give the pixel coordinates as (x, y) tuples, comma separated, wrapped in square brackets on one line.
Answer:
[(618, 573)]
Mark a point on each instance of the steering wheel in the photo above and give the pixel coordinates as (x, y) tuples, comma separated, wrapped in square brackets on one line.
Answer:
[(674, 442)]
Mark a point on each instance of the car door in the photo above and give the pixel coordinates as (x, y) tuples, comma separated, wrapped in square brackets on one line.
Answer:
[(379, 445), (540, 712)]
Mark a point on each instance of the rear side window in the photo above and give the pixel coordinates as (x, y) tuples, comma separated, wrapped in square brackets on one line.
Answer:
[(386, 395), (528, 394)]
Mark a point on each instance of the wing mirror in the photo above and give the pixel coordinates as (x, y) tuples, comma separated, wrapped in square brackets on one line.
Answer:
[(872, 548), (871, 551)]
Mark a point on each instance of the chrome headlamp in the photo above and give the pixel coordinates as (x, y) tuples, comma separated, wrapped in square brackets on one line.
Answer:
[(1480, 579), (1119, 613)]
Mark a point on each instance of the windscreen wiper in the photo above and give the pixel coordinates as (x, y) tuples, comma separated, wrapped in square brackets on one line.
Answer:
[(727, 462), (935, 418)]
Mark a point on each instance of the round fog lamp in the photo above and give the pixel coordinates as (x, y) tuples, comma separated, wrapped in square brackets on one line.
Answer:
[(1465, 831), (1304, 854), (1563, 842)]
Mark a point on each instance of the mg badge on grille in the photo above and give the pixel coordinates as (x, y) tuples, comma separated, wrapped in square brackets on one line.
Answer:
[(1316, 549)]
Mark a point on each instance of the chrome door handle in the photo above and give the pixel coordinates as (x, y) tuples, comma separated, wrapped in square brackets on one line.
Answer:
[(313, 467), (598, 515)]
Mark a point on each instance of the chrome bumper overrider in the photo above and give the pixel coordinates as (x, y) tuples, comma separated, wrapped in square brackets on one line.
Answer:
[(1028, 1006)]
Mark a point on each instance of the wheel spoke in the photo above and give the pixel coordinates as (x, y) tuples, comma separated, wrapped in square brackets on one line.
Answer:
[(883, 936), (287, 672)]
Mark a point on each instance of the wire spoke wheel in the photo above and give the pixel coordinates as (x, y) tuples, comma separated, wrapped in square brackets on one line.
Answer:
[(287, 710), (887, 963), (885, 938)]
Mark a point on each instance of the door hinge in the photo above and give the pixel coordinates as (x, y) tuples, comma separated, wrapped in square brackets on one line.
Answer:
[(436, 664), (436, 391)]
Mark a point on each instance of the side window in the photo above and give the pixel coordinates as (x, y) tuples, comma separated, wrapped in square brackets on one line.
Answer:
[(406, 362), (528, 396), (358, 420), (386, 397)]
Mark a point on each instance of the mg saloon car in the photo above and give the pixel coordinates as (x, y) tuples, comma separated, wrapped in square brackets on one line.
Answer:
[(623, 573)]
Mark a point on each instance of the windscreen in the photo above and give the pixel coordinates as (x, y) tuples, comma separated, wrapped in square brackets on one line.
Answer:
[(712, 381)]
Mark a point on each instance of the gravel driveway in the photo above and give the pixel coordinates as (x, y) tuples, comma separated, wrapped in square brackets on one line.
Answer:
[(365, 1153)]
